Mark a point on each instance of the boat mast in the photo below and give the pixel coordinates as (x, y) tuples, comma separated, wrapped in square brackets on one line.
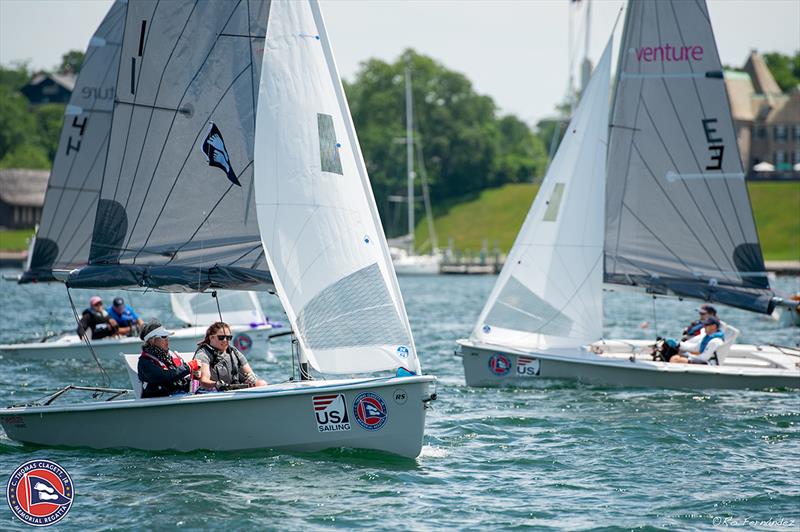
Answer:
[(410, 158)]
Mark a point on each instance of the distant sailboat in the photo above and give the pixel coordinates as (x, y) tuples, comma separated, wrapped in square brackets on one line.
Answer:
[(404, 256), (316, 217), (664, 210)]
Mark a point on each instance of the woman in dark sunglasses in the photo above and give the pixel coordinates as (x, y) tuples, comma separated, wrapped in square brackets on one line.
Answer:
[(222, 366)]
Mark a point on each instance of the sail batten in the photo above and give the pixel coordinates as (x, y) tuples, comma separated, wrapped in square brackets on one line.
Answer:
[(678, 212)]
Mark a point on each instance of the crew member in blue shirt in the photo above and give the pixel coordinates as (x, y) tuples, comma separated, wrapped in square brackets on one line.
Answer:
[(127, 319)]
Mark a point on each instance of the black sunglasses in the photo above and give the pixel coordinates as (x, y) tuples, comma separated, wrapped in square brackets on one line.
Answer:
[(223, 337)]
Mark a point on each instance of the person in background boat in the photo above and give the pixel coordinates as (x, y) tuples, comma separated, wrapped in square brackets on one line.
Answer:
[(161, 371), (222, 366), (96, 320), (702, 349), (696, 327), (128, 321)]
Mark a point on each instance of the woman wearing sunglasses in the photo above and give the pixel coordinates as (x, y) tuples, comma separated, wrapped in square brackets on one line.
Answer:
[(222, 366)]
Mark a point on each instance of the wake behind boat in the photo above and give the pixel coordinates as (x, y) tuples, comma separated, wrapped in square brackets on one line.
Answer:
[(297, 162), (662, 207)]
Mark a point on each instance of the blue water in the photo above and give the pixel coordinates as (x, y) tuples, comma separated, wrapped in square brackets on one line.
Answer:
[(559, 455)]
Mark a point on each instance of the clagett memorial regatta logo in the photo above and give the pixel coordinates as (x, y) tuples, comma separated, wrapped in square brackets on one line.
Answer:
[(40, 492)]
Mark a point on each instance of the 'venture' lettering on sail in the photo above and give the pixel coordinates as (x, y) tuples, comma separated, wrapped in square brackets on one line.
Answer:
[(669, 53)]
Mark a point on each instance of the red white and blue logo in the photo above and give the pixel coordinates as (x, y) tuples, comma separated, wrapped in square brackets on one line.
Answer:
[(243, 342), (370, 411), (40, 493), (499, 365)]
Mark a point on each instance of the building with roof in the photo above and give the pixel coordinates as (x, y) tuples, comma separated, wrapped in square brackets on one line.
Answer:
[(49, 88), (21, 197), (767, 121)]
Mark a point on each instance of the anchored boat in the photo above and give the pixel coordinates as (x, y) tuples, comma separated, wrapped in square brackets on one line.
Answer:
[(662, 207), (318, 223)]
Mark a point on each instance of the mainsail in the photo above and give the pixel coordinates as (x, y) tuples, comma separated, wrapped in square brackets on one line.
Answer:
[(177, 209), (678, 214), (319, 224), (549, 292), (65, 232)]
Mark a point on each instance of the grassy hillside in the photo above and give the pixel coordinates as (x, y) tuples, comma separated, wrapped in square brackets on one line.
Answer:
[(498, 213), (776, 207)]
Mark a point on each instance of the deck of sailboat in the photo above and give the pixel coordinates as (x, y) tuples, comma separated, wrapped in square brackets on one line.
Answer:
[(758, 361)]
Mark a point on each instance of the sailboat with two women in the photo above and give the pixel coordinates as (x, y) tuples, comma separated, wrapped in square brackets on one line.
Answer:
[(204, 74), (653, 201)]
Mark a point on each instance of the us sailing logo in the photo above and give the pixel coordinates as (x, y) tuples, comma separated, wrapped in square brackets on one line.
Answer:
[(331, 412), (499, 365), (527, 366), (40, 493), (213, 147), (370, 411)]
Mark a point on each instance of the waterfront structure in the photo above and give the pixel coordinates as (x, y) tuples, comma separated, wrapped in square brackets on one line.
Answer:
[(21, 197), (766, 120)]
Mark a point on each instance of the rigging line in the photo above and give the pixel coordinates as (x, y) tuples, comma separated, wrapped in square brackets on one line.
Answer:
[(678, 212), (688, 191), (258, 258), (153, 107), (85, 338), (655, 316), (183, 165), (246, 253), (200, 226), (627, 37), (242, 35)]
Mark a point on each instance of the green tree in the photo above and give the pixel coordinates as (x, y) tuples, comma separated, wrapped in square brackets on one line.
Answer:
[(785, 69), (17, 125), (71, 62), (14, 77), (26, 156), (465, 146), (49, 118)]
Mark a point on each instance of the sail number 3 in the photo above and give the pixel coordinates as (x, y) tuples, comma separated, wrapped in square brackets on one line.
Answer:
[(715, 147)]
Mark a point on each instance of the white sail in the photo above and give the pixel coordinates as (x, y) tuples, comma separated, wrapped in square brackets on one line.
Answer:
[(550, 290), (200, 308), (319, 225)]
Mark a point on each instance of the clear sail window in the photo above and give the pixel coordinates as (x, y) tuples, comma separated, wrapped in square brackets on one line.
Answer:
[(551, 214), (328, 147)]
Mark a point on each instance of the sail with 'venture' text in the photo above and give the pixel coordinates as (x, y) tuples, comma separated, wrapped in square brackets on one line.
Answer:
[(678, 215)]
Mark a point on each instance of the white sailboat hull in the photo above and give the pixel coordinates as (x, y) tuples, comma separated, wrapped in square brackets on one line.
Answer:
[(417, 264), (184, 340), (280, 417), (520, 367)]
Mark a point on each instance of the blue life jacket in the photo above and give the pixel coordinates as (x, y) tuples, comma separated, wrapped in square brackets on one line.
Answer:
[(707, 338)]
